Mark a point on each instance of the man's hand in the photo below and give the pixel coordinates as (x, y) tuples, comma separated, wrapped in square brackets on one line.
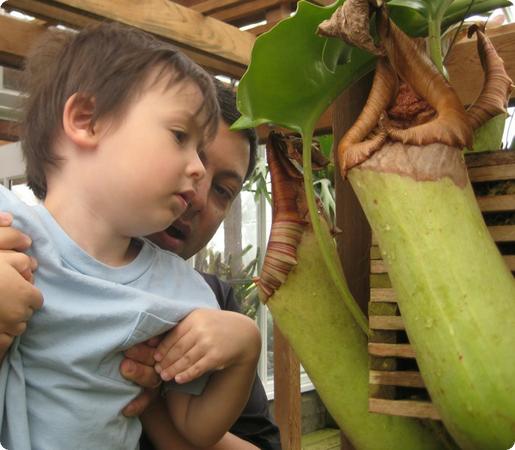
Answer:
[(206, 340), (18, 297), (138, 367)]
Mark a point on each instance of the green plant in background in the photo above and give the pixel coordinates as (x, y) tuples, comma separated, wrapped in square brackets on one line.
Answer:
[(460, 321), (210, 261)]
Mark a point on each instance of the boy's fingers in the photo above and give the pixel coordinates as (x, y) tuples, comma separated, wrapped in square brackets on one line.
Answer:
[(168, 356), (13, 239), (140, 374), (170, 340), (141, 353), (186, 361), (192, 373)]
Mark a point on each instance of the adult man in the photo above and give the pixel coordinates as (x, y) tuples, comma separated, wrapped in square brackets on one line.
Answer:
[(229, 160)]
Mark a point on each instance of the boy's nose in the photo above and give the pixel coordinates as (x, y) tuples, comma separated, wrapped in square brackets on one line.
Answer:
[(196, 168)]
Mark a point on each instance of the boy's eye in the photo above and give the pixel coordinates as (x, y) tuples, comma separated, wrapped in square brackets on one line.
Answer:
[(180, 136)]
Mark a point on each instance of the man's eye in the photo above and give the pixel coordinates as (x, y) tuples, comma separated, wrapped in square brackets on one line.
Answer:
[(223, 192)]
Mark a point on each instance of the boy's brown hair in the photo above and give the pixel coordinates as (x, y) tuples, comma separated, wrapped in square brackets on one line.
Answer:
[(109, 63)]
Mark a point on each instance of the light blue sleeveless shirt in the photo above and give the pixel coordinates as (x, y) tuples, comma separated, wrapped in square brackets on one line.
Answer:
[(60, 384)]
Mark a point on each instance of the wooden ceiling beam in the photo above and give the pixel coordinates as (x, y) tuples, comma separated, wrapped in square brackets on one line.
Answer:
[(172, 21), (78, 19), (16, 39), (249, 8), (210, 6)]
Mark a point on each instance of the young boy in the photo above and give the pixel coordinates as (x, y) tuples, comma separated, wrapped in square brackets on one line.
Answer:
[(115, 122)]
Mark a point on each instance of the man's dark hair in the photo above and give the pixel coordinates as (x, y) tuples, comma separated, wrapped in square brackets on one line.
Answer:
[(109, 64), (230, 113)]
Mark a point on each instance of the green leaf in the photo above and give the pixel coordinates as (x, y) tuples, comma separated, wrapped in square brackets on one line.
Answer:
[(336, 52), (489, 136), (418, 5), (289, 81)]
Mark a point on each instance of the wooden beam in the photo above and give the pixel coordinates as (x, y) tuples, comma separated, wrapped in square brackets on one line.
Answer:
[(172, 21), (75, 19), (464, 67), (353, 242), (246, 9), (287, 401), (9, 131), (15, 40), (210, 6), (50, 13)]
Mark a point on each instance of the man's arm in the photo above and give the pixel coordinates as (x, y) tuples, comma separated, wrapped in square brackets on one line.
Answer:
[(255, 424)]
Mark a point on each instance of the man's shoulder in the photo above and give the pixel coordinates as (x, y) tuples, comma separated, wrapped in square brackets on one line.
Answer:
[(223, 291)]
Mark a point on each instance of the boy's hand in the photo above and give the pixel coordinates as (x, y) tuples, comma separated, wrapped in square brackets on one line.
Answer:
[(18, 297), (207, 340), (138, 367)]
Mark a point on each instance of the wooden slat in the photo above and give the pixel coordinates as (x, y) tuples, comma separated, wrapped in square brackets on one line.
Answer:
[(405, 378), (464, 67), (495, 158), (383, 295), (492, 173), (497, 203), (510, 262), (241, 10), (386, 323), (502, 233), (378, 266), (210, 6), (394, 350), (405, 408)]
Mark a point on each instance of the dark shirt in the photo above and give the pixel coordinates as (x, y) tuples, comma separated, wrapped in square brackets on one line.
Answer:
[(255, 423)]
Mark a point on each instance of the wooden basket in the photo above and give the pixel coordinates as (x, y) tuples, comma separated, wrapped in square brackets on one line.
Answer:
[(397, 387)]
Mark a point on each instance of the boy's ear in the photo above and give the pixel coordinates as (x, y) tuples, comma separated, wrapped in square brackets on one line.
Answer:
[(77, 116)]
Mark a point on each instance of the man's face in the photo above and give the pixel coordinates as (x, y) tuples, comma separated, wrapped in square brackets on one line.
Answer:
[(226, 162)]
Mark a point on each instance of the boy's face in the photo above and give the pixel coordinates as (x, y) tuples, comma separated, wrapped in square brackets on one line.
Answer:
[(226, 161), (149, 162)]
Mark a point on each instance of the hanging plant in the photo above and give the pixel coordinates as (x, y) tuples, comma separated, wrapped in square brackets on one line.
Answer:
[(455, 292)]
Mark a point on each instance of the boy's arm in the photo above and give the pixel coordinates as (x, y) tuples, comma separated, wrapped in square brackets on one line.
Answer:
[(164, 436), (209, 340)]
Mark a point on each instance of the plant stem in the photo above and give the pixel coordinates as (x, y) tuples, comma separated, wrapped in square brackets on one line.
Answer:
[(336, 275), (435, 45)]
